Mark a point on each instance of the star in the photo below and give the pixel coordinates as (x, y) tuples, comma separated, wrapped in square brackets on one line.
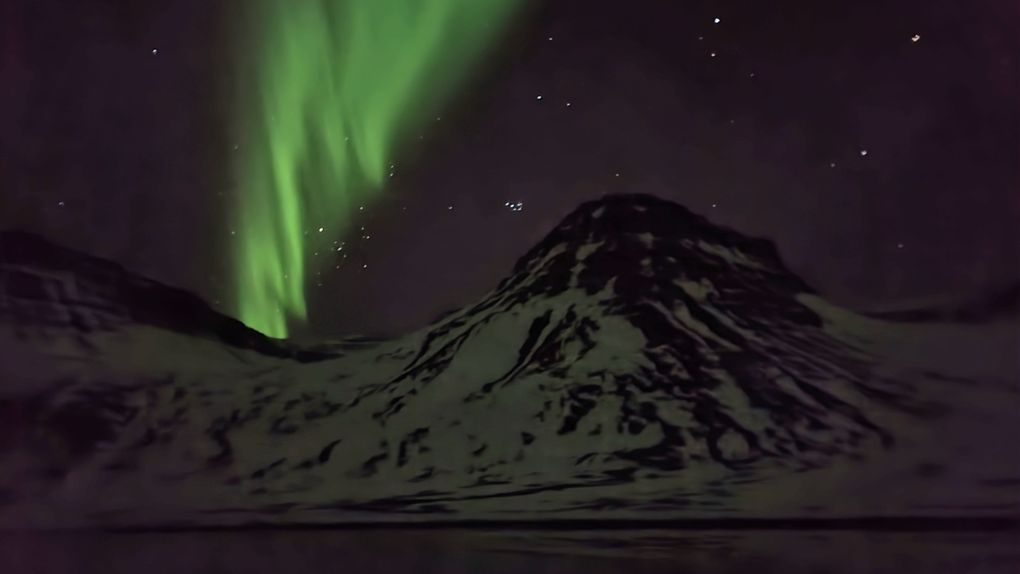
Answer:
[(899, 246), (712, 54), (61, 204), (321, 229), (539, 97), (717, 20), (864, 152), (915, 38), (154, 52)]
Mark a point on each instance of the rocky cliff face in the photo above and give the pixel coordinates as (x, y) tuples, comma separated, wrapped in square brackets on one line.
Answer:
[(638, 360)]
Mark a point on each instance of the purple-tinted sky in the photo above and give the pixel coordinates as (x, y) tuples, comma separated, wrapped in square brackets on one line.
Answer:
[(758, 121)]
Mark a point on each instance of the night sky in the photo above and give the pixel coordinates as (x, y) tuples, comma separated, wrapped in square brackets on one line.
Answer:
[(876, 142)]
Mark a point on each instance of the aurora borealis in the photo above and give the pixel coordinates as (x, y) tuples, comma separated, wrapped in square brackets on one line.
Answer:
[(334, 87), (140, 132)]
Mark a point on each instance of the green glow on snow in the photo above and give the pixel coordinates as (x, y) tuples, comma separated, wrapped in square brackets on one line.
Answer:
[(335, 86)]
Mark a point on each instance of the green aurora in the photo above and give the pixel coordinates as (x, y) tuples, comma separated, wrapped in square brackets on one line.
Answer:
[(335, 87)]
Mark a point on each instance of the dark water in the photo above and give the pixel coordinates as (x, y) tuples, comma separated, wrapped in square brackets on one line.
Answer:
[(532, 552)]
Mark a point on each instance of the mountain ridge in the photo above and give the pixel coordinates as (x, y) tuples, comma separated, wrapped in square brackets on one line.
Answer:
[(32, 268)]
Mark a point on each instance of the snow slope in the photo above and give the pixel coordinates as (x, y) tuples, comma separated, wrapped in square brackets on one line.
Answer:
[(640, 361)]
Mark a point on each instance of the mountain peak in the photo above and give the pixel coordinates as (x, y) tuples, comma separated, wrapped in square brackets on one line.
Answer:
[(619, 215), (649, 243)]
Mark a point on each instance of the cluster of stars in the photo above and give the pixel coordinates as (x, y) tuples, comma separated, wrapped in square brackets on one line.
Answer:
[(345, 252)]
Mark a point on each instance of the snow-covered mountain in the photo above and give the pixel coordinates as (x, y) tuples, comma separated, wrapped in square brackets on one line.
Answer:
[(639, 362)]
